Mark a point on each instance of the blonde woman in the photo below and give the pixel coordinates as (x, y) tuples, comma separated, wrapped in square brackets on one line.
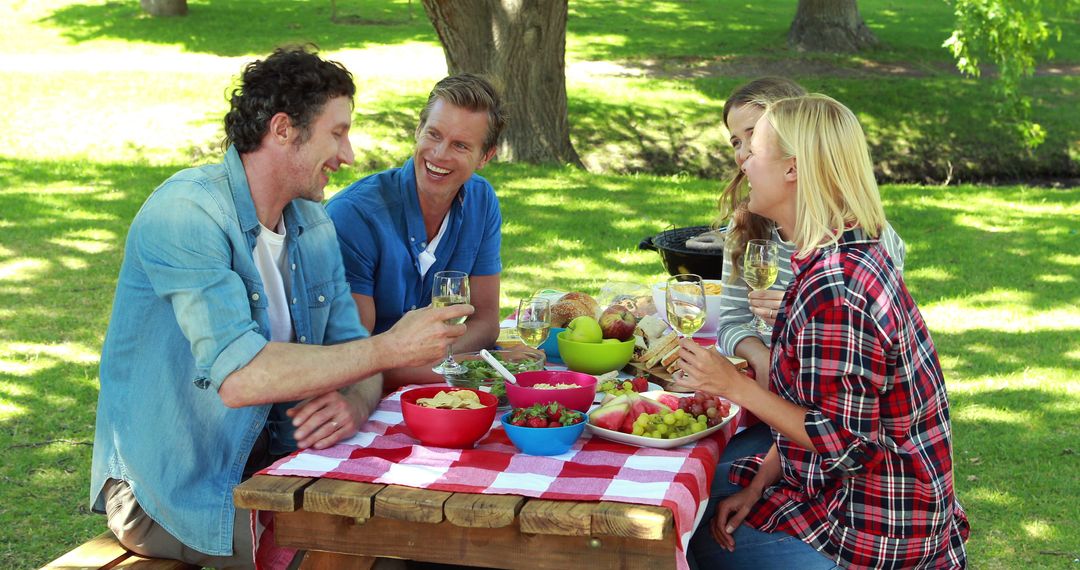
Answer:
[(739, 304), (860, 472)]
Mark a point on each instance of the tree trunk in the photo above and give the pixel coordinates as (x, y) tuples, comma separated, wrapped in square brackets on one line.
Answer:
[(164, 7), (520, 45), (829, 25)]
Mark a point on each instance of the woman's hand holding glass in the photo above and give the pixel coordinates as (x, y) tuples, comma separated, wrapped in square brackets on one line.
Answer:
[(765, 304), (704, 368)]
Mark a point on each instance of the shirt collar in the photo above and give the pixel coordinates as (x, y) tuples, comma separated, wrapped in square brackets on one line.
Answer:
[(238, 184), (851, 236), (414, 220)]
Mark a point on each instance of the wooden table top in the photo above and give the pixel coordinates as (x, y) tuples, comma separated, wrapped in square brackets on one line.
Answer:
[(354, 521)]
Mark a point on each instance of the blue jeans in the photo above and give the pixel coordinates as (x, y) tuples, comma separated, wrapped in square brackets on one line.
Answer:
[(753, 548), (756, 550)]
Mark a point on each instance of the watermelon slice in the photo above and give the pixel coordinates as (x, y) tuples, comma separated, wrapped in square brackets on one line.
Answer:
[(611, 415), (650, 406), (668, 400)]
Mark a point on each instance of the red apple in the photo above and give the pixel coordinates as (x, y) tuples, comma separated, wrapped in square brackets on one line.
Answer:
[(617, 322)]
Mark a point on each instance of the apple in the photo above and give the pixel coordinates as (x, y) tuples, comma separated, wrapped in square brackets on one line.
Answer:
[(584, 329), (618, 322)]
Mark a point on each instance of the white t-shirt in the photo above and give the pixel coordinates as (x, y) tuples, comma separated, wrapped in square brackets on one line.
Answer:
[(427, 257), (272, 261)]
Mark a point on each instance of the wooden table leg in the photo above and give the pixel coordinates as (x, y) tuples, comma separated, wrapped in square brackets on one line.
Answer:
[(318, 560)]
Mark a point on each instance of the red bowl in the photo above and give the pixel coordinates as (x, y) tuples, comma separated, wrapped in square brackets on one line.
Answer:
[(443, 427), (523, 395)]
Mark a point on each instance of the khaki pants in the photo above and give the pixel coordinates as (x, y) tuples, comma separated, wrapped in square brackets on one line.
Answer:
[(141, 535)]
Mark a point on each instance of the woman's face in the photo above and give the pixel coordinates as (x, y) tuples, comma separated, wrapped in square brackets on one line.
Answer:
[(771, 176), (740, 123)]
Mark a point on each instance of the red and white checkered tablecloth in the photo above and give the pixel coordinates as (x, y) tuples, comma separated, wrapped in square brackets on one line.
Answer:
[(595, 469)]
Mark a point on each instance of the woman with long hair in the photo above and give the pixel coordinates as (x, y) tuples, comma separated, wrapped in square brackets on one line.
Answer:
[(860, 471), (738, 303)]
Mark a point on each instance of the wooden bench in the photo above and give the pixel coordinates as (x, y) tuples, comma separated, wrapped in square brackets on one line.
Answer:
[(104, 552)]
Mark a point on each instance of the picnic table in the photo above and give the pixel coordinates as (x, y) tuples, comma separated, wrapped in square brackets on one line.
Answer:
[(382, 494)]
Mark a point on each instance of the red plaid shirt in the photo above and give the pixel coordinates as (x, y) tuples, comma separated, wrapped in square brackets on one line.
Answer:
[(851, 346)]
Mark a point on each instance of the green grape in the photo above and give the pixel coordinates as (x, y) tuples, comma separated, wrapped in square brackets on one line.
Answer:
[(638, 430), (669, 419)]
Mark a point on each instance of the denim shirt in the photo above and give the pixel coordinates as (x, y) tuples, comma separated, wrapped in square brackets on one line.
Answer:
[(190, 308), (382, 234)]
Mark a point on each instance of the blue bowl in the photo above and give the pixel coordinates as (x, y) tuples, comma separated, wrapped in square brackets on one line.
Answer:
[(551, 345), (542, 441)]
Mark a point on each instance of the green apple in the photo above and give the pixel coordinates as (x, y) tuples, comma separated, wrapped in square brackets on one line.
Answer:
[(584, 329), (610, 341)]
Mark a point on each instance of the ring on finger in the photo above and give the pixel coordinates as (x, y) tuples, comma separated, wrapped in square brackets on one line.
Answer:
[(335, 424)]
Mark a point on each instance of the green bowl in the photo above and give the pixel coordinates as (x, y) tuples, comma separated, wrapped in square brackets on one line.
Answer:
[(594, 357)]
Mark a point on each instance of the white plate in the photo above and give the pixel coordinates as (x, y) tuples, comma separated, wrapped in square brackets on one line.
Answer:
[(642, 441), (653, 387)]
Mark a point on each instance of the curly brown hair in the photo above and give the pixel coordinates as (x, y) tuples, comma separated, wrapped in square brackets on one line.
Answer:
[(743, 225), (292, 80)]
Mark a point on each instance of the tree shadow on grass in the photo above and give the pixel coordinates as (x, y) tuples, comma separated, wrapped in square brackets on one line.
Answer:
[(242, 27), (1014, 458)]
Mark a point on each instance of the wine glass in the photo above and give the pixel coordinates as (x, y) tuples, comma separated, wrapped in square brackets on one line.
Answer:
[(450, 288), (759, 272), (534, 321), (685, 298)]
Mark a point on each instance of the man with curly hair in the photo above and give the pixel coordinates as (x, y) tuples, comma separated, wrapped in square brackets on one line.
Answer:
[(234, 338)]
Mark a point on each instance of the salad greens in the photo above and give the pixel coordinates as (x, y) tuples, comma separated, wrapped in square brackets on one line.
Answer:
[(480, 373)]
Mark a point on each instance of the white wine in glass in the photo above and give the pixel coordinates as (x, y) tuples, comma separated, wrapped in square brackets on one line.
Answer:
[(448, 300), (759, 271), (685, 300), (450, 288), (534, 321)]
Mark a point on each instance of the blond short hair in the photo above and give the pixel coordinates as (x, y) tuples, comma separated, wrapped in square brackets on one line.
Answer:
[(836, 185)]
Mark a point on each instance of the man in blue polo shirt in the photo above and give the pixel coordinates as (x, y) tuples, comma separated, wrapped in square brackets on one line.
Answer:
[(399, 227)]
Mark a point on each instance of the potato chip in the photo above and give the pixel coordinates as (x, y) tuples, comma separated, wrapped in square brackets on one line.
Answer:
[(458, 399)]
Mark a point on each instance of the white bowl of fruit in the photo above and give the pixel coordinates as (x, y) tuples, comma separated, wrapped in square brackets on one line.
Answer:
[(661, 419)]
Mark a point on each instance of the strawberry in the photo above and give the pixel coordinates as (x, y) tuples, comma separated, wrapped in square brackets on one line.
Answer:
[(536, 422), (555, 411), (641, 384), (554, 424)]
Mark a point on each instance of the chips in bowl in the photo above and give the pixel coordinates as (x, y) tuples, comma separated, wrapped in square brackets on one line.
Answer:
[(458, 399)]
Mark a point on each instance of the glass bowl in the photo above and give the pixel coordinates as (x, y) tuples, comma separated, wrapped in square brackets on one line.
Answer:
[(482, 376)]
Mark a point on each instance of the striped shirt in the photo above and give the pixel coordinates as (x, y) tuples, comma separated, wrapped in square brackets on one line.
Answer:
[(735, 307), (852, 348)]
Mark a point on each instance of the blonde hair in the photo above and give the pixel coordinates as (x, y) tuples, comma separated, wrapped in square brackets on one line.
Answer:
[(743, 225), (836, 187)]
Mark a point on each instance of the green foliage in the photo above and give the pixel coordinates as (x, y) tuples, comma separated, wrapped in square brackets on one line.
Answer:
[(1013, 35)]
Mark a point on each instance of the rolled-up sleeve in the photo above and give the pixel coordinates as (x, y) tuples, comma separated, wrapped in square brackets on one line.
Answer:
[(184, 248), (841, 378)]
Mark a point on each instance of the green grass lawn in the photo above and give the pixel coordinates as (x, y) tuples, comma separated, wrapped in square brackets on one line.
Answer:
[(104, 104)]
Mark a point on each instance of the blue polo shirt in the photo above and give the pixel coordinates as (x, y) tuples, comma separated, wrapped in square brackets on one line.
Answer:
[(381, 232)]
